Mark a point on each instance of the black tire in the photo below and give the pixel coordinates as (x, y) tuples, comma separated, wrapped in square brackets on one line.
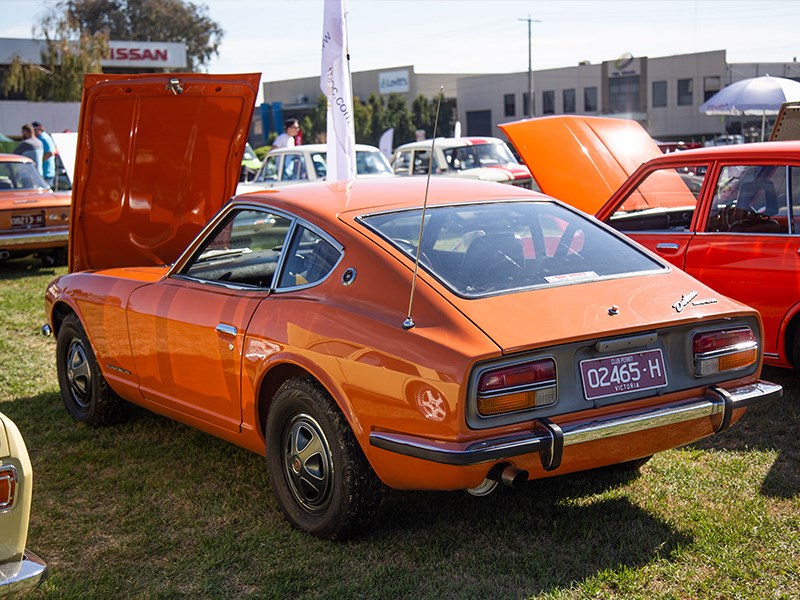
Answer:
[(84, 390), (796, 352), (320, 476)]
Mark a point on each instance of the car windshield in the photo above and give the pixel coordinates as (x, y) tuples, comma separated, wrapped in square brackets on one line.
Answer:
[(20, 176), (479, 155), (368, 162), (482, 249)]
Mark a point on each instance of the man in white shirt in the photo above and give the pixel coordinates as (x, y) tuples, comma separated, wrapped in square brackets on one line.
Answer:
[(290, 129)]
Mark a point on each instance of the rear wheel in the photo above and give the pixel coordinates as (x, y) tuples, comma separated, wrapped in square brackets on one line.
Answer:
[(85, 393), (796, 351), (322, 480)]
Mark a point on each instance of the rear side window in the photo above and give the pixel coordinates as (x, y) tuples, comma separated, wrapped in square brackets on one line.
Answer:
[(665, 201), (484, 249)]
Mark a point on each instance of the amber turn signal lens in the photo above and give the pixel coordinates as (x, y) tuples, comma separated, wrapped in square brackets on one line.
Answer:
[(8, 487), (513, 402), (724, 350)]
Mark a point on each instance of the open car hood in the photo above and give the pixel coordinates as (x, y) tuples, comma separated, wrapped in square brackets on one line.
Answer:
[(581, 160), (158, 155)]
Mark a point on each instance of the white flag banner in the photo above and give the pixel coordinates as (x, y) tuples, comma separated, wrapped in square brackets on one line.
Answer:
[(385, 143), (335, 84)]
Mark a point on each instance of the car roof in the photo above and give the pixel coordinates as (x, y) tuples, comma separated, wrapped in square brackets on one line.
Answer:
[(326, 202), (14, 158), (319, 148), (442, 142), (745, 151)]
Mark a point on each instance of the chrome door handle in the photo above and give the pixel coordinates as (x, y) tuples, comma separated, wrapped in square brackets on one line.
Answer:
[(226, 329), (667, 246)]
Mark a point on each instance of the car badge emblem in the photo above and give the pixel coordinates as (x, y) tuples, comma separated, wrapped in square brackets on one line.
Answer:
[(686, 300)]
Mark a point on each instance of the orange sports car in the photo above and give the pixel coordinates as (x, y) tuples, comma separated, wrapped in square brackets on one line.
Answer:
[(360, 337)]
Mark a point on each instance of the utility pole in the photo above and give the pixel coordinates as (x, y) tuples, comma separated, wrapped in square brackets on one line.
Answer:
[(530, 64)]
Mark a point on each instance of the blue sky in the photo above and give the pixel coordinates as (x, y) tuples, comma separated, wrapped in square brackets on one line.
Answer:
[(281, 38)]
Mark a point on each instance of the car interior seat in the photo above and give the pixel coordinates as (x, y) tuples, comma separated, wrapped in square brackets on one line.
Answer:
[(756, 204), (494, 260)]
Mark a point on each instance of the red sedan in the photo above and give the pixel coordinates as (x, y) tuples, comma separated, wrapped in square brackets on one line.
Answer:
[(728, 215)]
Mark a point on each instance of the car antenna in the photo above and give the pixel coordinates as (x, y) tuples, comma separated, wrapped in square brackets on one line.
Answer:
[(409, 322)]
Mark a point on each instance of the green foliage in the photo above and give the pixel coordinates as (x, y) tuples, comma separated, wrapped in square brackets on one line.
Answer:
[(261, 152), (150, 21), (69, 54), (399, 117)]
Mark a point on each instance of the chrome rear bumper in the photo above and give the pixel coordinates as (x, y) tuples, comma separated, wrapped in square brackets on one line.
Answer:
[(549, 439), (19, 576), (34, 237)]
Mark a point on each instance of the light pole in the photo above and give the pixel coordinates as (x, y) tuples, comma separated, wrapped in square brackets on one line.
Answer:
[(530, 64)]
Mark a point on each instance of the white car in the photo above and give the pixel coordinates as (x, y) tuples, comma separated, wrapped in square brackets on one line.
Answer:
[(19, 569), (485, 158), (308, 163)]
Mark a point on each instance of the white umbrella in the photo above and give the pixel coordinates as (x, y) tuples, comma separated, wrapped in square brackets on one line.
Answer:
[(755, 96)]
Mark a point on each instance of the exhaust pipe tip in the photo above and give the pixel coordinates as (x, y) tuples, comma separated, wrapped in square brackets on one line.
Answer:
[(513, 477)]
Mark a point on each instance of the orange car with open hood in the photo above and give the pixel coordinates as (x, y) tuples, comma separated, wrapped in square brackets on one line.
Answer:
[(531, 341)]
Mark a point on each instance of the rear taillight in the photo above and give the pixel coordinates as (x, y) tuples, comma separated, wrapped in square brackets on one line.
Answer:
[(724, 350), (8, 487), (517, 387)]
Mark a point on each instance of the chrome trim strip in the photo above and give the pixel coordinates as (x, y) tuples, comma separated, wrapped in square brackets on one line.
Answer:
[(20, 576), (37, 237), (714, 402)]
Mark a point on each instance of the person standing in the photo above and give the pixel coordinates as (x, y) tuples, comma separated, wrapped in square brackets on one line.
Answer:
[(48, 153), (290, 129), (30, 146)]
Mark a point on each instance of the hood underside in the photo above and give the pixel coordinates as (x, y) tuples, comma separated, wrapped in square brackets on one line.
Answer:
[(158, 155), (581, 160)]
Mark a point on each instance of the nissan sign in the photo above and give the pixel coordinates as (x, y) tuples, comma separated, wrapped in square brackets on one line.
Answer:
[(158, 55)]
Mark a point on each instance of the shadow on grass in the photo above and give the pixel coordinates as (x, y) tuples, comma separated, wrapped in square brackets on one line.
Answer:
[(772, 427), (153, 484), (544, 537), (21, 268)]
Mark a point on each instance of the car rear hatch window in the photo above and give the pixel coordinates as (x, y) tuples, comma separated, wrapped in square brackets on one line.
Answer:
[(500, 247)]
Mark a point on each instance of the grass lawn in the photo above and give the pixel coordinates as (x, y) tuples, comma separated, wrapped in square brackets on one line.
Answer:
[(154, 509)]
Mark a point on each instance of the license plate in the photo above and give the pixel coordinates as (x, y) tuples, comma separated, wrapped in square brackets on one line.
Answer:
[(28, 220), (622, 374)]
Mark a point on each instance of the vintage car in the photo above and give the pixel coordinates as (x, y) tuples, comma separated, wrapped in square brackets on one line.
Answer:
[(532, 340), (728, 215), (20, 569), (483, 158), (301, 164), (33, 219)]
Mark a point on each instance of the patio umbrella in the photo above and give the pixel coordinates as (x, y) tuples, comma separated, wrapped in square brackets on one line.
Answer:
[(755, 96)]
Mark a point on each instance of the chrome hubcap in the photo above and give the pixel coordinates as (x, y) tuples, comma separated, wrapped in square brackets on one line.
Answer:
[(307, 463), (79, 375)]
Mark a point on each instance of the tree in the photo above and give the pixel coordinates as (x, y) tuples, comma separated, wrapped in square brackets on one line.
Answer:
[(67, 56), (423, 114), (377, 118), (150, 21), (398, 116), (362, 120)]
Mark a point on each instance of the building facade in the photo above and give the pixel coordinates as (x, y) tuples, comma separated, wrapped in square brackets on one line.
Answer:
[(661, 93)]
